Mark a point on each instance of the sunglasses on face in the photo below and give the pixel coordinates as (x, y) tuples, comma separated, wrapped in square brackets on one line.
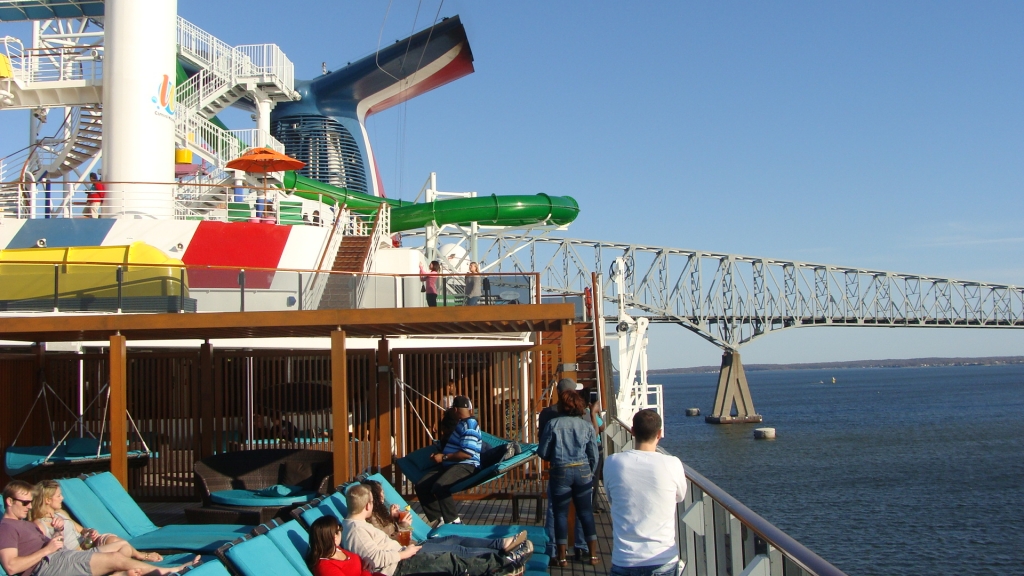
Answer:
[(23, 502)]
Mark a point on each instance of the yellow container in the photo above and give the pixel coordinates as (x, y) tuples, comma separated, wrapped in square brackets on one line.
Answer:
[(89, 271), (182, 156), (5, 67)]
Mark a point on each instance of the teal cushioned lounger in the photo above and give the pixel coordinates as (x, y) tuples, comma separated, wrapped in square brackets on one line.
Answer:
[(421, 530), (293, 541), (90, 512), (108, 493), (259, 556), (212, 567)]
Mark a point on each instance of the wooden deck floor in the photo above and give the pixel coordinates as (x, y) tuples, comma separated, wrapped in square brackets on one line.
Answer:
[(473, 512)]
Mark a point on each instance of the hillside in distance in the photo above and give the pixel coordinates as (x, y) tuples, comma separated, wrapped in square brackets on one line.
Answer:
[(893, 363)]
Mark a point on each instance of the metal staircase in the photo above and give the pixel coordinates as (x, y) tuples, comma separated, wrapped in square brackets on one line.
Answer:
[(226, 75), (84, 141)]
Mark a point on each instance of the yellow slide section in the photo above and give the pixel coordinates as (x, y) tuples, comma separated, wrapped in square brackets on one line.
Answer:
[(88, 271)]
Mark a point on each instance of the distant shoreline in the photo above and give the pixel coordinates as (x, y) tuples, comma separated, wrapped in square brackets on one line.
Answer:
[(898, 363)]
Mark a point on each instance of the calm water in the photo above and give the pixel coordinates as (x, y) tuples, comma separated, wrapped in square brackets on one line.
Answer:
[(889, 471)]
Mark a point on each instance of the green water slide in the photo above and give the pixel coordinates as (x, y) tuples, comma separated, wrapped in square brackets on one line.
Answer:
[(516, 210)]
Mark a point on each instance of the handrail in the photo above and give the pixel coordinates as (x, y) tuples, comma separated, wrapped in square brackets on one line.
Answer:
[(795, 551)]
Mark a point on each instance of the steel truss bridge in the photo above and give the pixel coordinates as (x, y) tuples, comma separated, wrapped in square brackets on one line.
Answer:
[(730, 299)]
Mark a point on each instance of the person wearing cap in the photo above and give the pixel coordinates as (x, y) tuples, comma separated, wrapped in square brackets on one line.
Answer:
[(458, 459), (545, 416)]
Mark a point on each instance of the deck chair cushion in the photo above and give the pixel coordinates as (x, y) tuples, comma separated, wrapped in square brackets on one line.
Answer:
[(81, 501), (198, 538), (110, 492), (212, 567), (421, 530), (293, 541), (259, 556), (82, 446)]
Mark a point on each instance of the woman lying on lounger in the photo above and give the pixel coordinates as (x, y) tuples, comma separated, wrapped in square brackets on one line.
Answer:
[(326, 556), (48, 503)]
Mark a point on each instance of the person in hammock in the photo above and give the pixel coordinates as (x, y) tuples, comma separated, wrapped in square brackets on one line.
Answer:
[(459, 458), (48, 507)]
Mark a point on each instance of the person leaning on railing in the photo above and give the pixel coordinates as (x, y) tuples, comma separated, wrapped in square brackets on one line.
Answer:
[(644, 486), (474, 286), (94, 197)]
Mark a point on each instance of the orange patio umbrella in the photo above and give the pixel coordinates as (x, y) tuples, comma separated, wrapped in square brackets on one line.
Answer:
[(263, 160)]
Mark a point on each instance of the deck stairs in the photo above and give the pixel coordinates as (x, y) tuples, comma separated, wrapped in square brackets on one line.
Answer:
[(355, 255), (83, 143), (586, 351), (226, 75)]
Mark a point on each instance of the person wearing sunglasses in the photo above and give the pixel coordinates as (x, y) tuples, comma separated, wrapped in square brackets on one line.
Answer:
[(25, 550)]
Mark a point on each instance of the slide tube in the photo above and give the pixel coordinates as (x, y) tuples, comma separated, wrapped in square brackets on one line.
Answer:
[(515, 210)]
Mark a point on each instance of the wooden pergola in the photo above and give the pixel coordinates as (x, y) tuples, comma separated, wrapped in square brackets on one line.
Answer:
[(117, 329)]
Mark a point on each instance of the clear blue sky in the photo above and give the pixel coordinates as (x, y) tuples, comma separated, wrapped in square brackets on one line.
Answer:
[(887, 135)]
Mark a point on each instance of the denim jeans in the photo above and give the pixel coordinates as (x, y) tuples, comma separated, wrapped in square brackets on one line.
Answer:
[(461, 546), (448, 563), (572, 483), (669, 569)]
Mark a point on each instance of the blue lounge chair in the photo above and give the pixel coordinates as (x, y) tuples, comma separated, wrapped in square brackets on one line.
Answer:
[(418, 463), (211, 567), (258, 556), (330, 505), (422, 531), (100, 502), (293, 541)]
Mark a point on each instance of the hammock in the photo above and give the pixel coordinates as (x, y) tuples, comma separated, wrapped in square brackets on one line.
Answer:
[(68, 455), (417, 464)]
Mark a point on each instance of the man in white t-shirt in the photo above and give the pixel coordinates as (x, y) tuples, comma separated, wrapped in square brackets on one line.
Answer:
[(644, 486)]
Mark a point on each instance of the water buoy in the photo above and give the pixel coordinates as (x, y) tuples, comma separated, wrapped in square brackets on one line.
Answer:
[(764, 434), (693, 411)]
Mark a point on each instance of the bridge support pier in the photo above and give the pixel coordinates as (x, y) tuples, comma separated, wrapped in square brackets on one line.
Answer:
[(733, 393)]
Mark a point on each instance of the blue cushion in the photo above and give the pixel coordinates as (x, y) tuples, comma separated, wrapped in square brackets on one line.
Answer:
[(81, 501), (259, 556), (538, 562), (199, 538), (278, 490), (293, 541), (110, 492), (212, 567), (311, 515), (252, 498), (535, 534), (338, 502), (83, 446)]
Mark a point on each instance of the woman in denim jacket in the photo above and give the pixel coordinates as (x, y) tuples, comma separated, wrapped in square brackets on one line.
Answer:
[(569, 444)]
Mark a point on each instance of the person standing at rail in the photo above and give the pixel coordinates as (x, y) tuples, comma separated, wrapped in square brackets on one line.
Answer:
[(644, 486)]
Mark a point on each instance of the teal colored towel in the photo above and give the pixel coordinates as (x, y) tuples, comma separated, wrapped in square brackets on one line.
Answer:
[(278, 490)]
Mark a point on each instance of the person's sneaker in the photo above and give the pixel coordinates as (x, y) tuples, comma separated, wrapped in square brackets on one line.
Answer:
[(520, 555), (512, 542), (457, 521), (437, 523)]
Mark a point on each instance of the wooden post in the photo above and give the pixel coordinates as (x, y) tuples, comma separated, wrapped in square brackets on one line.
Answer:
[(339, 406), (119, 409), (569, 350), (206, 401), (383, 427)]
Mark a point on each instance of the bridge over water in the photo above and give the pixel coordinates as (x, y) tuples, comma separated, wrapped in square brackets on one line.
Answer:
[(730, 299)]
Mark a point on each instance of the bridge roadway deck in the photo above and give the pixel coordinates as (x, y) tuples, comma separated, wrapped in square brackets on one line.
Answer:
[(472, 511)]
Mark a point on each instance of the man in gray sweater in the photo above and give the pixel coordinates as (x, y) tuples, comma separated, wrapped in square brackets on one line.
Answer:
[(386, 556)]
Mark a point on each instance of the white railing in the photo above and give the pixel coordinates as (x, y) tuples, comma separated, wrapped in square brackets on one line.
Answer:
[(203, 87), (265, 62), (253, 137), (270, 62), (73, 63)]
